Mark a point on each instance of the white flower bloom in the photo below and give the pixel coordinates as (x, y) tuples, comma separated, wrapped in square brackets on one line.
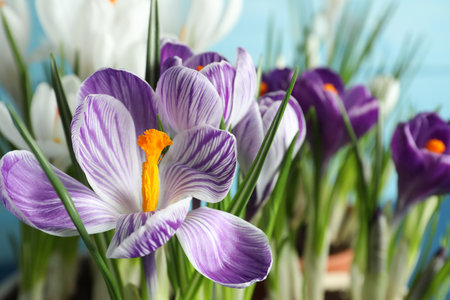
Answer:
[(45, 121), (386, 89), (103, 33), (17, 15)]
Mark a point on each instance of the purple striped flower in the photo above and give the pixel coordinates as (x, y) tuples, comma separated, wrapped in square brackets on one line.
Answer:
[(250, 133), (321, 89), (229, 90), (144, 196), (421, 154)]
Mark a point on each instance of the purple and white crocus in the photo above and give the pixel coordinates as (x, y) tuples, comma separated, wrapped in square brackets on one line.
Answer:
[(421, 154), (144, 196), (250, 133), (229, 90)]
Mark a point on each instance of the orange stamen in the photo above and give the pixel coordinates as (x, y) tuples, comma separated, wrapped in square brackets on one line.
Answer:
[(199, 68), (330, 88), (113, 1), (263, 88), (436, 146), (153, 143)]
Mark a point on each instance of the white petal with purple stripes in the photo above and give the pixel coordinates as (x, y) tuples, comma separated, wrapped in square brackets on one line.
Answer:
[(107, 152), (140, 234), (201, 163), (187, 99), (28, 194), (225, 248), (137, 96)]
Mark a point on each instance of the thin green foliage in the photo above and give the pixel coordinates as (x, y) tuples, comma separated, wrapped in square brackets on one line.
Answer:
[(68, 204), (152, 65)]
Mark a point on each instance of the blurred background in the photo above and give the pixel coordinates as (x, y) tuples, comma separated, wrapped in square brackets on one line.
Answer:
[(428, 87)]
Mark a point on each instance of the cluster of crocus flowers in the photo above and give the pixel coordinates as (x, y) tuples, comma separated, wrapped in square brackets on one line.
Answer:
[(136, 189), (421, 154)]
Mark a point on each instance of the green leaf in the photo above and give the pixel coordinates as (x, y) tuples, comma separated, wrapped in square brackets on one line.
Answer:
[(66, 117), (279, 189), (24, 75), (68, 204), (152, 66), (245, 190)]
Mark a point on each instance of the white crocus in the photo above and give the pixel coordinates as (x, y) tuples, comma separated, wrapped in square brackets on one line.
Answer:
[(103, 33), (45, 120), (17, 15), (386, 89), (206, 21)]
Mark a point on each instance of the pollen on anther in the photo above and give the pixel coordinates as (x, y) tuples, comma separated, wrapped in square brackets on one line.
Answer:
[(435, 146), (199, 68), (330, 88), (263, 88)]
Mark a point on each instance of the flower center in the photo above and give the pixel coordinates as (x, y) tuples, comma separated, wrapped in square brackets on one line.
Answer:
[(113, 1), (199, 68), (436, 146), (153, 143), (263, 88), (330, 88)]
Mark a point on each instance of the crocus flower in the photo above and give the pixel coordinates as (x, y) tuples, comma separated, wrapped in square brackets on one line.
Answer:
[(18, 18), (275, 80), (102, 33), (144, 195), (204, 24), (229, 90), (321, 89), (421, 154), (45, 121), (250, 133)]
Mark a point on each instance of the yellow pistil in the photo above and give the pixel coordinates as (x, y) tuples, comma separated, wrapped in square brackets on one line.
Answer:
[(436, 146), (199, 68), (330, 88), (263, 88), (153, 143)]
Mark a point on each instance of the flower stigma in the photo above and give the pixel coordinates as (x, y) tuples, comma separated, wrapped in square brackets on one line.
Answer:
[(199, 68), (435, 146), (330, 88), (113, 1), (153, 143), (263, 88)]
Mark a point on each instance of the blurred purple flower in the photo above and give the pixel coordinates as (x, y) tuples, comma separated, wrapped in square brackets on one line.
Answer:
[(321, 89), (421, 154), (146, 198), (250, 133)]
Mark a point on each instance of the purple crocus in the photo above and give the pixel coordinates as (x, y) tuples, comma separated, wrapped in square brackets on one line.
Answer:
[(230, 89), (250, 133), (321, 89), (275, 80), (143, 195), (421, 154)]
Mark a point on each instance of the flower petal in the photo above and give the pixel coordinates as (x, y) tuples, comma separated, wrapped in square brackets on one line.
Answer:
[(203, 59), (201, 163), (137, 96), (244, 86), (140, 234), (188, 99), (225, 248), (172, 48), (221, 75), (107, 152), (362, 109), (28, 194)]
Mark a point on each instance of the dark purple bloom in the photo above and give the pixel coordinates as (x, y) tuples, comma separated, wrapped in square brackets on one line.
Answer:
[(275, 80), (421, 154), (321, 89)]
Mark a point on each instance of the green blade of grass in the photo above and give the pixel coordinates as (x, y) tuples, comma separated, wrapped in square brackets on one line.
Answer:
[(152, 66), (68, 204)]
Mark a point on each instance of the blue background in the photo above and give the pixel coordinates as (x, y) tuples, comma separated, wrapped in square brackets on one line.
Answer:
[(430, 89)]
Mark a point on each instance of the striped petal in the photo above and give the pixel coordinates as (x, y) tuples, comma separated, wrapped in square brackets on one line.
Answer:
[(188, 99), (172, 48), (137, 96), (244, 86), (225, 248), (203, 59), (28, 194), (107, 152), (140, 234), (201, 163)]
